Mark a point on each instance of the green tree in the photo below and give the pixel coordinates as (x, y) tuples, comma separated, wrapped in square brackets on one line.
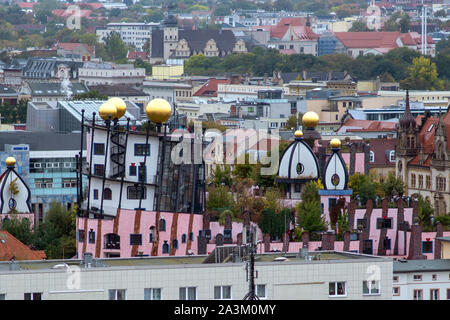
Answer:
[(393, 185), (222, 176), (115, 47), (423, 75), (243, 170), (363, 187), (57, 234), (294, 121), (309, 216), (275, 223), (219, 198), (358, 26), (90, 95), (425, 211), (19, 228)]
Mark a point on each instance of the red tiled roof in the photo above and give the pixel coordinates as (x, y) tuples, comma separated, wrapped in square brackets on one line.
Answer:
[(368, 39), (209, 89), (10, 247), (414, 38), (368, 125), (137, 55), (297, 27), (26, 5), (65, 13), (70, 46), (381, 149)]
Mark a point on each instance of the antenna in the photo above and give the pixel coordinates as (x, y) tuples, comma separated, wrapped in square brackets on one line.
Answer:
[(250, 267)]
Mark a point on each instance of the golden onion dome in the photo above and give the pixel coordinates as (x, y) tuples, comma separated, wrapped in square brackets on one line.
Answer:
[(335, 143), (120, 105), (158, 111), (107, 111), (10, 161), (310, 119), (298, 134)]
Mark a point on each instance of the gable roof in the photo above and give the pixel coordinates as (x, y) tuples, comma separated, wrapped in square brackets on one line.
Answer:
[(209, 89), (382, 149), (12, 248), (368, 39), (197, 39), (354, 125), (137, 55)]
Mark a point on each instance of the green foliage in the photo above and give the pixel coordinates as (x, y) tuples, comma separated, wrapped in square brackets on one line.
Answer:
[(359, 26), (14, 114), (19, 228), (90, 95), (309, 216), (425, 211), (222, 176), (243, 170), (143, 64), (272, 200), (294, 121), (223, 214), (57, 234), (115, 47), (363, 187), (393, 185), (423, 75), (219, 198), (275, 223), (310, 191)]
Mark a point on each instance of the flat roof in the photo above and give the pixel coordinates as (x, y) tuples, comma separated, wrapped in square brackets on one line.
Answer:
[(421, 265)]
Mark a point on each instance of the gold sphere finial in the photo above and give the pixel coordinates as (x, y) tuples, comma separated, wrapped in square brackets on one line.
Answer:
[(10, 161), (310, 119), (107, 111), (158, 111), (335, 143), (298, 134), (120, 105)]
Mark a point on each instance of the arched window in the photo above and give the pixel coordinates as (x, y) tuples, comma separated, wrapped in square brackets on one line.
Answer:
[(408, 143), (107, 194), (372, 156), (162, 225), (183, 238), (165, 247), (413, 142), (152, 234), (392, 156), (413, 180), (175, 244)]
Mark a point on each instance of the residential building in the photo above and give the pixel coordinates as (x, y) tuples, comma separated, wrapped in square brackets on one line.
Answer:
[(76, 51), (167, 72), (51, 70), (110, 74), (326, 275), (51, 91), (421, 280), (168, 90), (132, 33)]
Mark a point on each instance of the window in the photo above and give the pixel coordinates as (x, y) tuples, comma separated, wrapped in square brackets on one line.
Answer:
[(383, 223), (395, 291), (371, 287), (152, 294), (418, 295), (165, 247), (361, 223), (2, 296), (69, 183), (117, 294), (99, 149), (441, 184), (134, 192), (133, 170), (99, 169), (387, 244), (448, 294), (136, 239), (107, 194), (152, 234), (95, 194), (420, 181), (434, 277), (336, 289), (175, 244), (139, 149), (162, 225), (188, 293), (417, 277), (142, 173), (191, 236), (183, 238), (222, 292), (427, 246), (428, 182), (80, 235), (392, 156), (297, 187), (434, 294), (91, 236), (227, 233), (261, 291), (372, 156), (395, 279), (33, 296)]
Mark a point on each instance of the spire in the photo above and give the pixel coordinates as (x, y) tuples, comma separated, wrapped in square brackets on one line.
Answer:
[(407, 120)]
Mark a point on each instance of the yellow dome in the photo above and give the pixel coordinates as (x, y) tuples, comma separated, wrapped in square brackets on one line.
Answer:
[(158, 111), (120, 105), (335, 143), (298, 134), (10, 161), (107, 111), (310, 119)]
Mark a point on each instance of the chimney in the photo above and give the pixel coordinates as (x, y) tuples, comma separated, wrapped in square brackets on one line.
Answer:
[(415, 243)]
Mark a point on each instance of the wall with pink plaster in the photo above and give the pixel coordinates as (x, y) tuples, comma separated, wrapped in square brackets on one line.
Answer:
[(20, 216)]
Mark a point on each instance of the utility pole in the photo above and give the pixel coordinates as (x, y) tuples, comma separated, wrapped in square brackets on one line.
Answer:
[(250, 267)]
